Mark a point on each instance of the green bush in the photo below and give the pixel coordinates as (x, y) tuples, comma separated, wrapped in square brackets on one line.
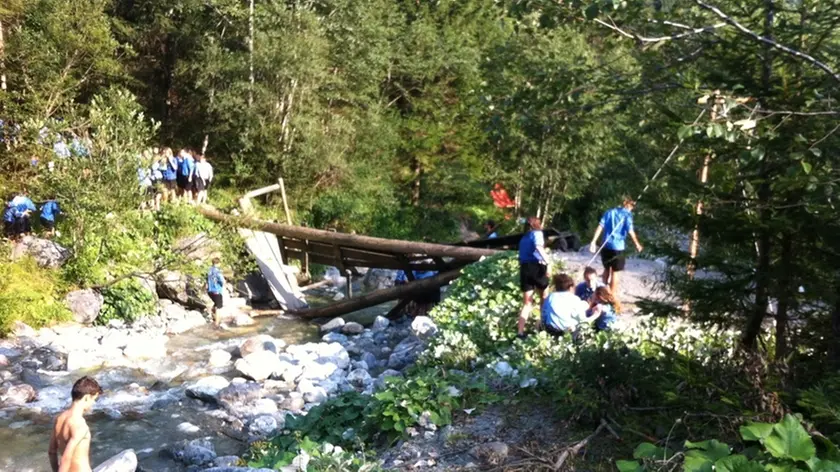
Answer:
[(30, 294), (126, 300), (782, 447)]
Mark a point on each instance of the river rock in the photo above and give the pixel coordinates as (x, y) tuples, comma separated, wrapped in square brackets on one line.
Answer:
[(18, 395), (405, 353), (334, 276), (263, 426), (115, 339), (172, 285), (226, 461), (352, 328), (262, 342), (380, 323), (4, 361), (219, 358), (197, 455), (369, 359), (312, 393), (241, 320), (236, 395), (188, 428), (423, 327), (294, 402), (47, 253), (84, 304), (334, 324), (378, 279), (208, 388), (359, 379), (492, 453), (185, 322), (22, 330), (318, 370), (288, 371), (258, 365), (126, 461), (255, 288), (335, 337)]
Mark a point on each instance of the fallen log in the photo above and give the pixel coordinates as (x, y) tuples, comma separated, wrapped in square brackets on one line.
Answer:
[(408, 290), (350, 240)]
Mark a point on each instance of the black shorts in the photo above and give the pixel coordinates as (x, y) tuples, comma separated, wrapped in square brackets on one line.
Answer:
[(170, 184), (47, 224), (532, 275), (23, 225), (184, 182), (217, 299), (612, 259), (199, 185), (9, 229)]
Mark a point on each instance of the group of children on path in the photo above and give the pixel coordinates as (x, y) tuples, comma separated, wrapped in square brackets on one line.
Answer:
[(571, 305), (164, 176), (18, 212)]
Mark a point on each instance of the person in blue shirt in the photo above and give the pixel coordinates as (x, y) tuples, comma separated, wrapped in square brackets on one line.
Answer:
[(586, 289), (186, 169), (616, 225), (490, 230), (170, 175), (562, 311), (607, 308), (23, 210), (533, 270), (49, 212), (215, 285)]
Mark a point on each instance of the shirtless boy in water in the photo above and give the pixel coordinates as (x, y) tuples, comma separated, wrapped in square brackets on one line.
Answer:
[(71, 435)]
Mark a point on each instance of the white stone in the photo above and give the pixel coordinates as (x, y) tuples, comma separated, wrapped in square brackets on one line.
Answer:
[(192, 319), (146, 349), (263, 426), (359, 378), (288, 371), (352, 328), (312, 393), (77, 360), (380, 323), (317, 370), (258, 365), (188, 428), (126, 461), (208, 388), (334, 324), (241, 319), (219, 358), (503, 369), (423, 327)]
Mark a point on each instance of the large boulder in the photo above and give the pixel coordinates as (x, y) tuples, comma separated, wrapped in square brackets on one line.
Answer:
[(235, 396), (84, 304), (262, 342), (405, 353), (423, 327), (258, 365), (18, 395), (187, 291), (46, 253), (334, 324), (377, 279), (255, 288), (208, 388), (125, 461), (187, 321)]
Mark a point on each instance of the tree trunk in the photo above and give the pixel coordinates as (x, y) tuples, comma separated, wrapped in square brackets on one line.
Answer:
[(762, 270), (786, 294), (251, 53)]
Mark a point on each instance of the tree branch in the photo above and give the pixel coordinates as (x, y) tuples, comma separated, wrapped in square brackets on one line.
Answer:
[(643, 39), (744, 30)]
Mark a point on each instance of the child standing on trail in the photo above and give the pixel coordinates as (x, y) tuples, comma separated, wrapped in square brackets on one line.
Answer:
[(170, 175), (49, 212), (586, 289), (215, 285), (616, 224), (533, 270), (203, 177), (186, 169), (605, 303)]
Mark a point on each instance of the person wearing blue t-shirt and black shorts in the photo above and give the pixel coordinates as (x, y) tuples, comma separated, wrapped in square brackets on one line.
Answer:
[(49, 212), (616, 225), (215, 285), (533, 270)]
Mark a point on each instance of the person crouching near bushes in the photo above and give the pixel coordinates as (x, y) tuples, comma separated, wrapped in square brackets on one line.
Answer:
[(609, 307), (563, 311)]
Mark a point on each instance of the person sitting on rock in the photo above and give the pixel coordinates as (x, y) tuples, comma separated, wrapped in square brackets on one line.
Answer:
[(563, 311), (607, 305), (215, 285), (586, 289), (71, 435), (23, 210)]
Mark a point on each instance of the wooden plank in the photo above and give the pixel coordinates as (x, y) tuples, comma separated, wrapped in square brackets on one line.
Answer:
[(409, 290), (349, 240)]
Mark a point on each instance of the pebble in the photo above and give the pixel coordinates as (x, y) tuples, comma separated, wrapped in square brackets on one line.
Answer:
[(188, 428)]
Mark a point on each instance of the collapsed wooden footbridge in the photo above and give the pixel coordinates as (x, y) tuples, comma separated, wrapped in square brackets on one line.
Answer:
[(349, 251)]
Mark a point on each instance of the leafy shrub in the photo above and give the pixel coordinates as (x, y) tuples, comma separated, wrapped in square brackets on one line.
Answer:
[(29, 294), (784, 446), (126, 300)]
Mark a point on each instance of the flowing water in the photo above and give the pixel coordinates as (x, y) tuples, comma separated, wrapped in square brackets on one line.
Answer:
[(122, 418)]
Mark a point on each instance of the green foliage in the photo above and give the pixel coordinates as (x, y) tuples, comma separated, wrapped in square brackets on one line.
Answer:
[(127, 300), (29, 294), (784, 446)]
